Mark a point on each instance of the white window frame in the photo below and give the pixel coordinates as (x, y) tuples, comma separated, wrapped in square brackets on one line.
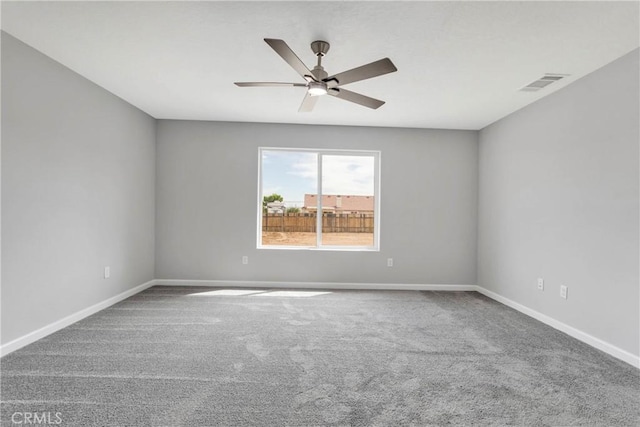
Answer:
[(319, 246)]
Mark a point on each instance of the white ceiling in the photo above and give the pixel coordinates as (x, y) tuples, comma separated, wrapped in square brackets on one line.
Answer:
[(460, 64)]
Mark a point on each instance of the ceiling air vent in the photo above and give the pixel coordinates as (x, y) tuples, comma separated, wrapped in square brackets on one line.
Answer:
[(543, 82)]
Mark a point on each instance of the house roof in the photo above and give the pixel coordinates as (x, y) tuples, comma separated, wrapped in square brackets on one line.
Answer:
[(340, 202)]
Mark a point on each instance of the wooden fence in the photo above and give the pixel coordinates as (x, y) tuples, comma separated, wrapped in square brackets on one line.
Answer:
[(331, 223)]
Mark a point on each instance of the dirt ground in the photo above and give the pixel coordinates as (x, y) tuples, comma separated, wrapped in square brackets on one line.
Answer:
[(309, 239)]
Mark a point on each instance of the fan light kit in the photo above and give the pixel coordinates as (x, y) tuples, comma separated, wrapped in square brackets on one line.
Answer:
[(318, 81), (317, 88)]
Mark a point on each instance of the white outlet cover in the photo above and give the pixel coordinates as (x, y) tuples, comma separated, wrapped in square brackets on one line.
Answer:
[(563, 292), (540, 283), (389, 262)]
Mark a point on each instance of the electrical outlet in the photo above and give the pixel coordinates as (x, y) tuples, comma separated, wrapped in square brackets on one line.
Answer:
[(245, 260), (540, 284), (107, 272), (389, 262), (563, 291)]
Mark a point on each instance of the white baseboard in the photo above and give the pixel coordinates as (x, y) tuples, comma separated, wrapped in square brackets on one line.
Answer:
[(316, 285), (73, 318), (610, 349)]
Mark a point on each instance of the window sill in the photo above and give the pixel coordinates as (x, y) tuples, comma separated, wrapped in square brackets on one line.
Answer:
[(322, 248)]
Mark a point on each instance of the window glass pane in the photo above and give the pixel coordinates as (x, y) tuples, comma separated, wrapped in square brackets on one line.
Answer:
[(348, 202), (291, 182), (286, 177)]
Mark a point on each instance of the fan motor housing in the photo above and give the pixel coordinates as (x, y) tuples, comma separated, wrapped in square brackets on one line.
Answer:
[(319, 73)]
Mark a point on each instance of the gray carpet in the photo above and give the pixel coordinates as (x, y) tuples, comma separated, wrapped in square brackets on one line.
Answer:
[(360, 358)]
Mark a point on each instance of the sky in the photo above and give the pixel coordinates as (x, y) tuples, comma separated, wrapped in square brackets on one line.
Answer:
[(294, 173)]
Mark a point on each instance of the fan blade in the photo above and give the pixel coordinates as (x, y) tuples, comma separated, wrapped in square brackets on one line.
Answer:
[(347, 95), (308, 103), (291, 58), (268, 84), (374, 69)]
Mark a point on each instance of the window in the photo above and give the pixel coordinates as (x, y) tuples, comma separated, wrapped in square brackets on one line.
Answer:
[(318, 199)]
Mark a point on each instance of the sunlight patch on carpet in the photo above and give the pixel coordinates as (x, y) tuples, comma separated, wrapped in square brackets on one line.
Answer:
[(225, 292)]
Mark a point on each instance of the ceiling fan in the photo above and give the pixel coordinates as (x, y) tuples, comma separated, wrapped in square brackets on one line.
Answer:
[(319, 82)]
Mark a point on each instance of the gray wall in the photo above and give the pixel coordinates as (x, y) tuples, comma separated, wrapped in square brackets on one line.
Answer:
[(559, 199), (206, 197), (78, 171)]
